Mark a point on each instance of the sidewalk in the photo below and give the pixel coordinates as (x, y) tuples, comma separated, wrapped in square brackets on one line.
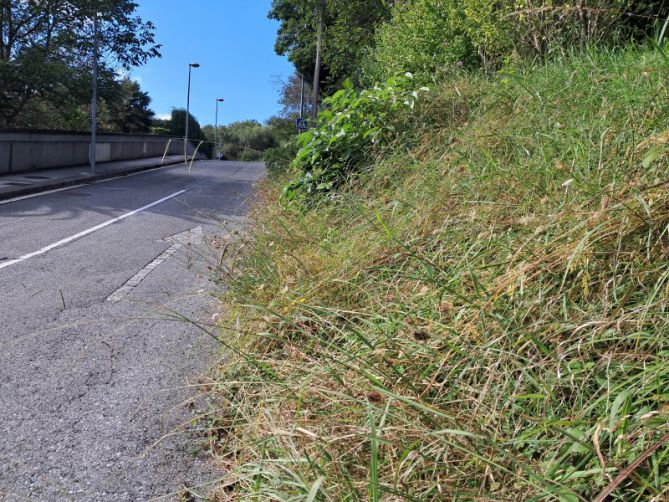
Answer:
[(19, 184)]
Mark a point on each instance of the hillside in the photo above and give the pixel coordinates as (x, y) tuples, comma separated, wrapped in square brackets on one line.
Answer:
[(480, 313)]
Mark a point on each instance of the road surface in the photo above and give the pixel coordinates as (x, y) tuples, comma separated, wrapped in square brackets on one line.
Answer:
[(95, 368)]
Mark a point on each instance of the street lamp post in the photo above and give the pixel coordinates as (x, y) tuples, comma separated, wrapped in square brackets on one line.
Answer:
[(190, 68), (94, 98), (216, 134)]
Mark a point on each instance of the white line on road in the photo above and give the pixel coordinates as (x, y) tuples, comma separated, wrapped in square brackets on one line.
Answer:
[(87, 232), (188, 237), (24, 197), (73, 187)]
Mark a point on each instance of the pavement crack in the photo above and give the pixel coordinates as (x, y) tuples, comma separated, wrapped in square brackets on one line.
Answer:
[(112, 356)]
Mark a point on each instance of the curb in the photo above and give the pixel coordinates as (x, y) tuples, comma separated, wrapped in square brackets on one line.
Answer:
[(79, 180)]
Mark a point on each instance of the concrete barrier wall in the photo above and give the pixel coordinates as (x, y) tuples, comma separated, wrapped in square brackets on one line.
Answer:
[(32, 151)]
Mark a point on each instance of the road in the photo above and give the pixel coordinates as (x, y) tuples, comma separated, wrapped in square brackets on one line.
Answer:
[(96, 370)]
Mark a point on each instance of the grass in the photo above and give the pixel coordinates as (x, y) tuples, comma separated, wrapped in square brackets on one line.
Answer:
[(481, 315)]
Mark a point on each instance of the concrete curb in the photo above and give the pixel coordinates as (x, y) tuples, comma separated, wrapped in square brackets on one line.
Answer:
[(79, 180)]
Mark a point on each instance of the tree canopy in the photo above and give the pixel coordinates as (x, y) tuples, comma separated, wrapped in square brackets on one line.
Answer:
[(131, 113), (46, 45), (244, 140), (349, 32)]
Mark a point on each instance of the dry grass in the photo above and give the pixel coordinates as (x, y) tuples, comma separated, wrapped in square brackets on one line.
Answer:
[(483, 316)]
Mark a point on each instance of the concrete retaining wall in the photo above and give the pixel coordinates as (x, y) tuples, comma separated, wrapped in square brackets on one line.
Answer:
[(32, 151)]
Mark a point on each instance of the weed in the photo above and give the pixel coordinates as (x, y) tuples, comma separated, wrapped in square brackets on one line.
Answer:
[(482, 316)]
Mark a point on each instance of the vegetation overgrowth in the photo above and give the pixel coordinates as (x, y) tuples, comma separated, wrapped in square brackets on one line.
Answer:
[(435, 39), (354, 126), (479, 312), (247, 140)]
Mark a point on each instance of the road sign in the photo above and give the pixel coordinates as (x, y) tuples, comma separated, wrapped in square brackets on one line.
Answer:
[(302, 125)]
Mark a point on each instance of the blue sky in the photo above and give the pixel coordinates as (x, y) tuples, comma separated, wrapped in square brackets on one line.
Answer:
[(234, 43)]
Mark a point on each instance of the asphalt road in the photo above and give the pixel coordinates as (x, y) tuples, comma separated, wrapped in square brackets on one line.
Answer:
[(96, 370)]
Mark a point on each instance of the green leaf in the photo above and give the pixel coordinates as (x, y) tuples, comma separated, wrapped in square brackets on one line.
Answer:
[(315, 488), (651, 156), (619, 408)]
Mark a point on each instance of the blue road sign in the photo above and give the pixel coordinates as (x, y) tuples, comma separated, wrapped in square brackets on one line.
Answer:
[(301, 125)]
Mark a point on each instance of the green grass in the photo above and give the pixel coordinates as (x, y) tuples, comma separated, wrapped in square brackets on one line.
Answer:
[(481, 316)]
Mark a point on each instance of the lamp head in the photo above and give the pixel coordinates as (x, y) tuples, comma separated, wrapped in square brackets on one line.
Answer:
[(195, 65), (220, 100)]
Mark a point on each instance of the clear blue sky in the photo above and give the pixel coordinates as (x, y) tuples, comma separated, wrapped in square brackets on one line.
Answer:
[(232, 40)]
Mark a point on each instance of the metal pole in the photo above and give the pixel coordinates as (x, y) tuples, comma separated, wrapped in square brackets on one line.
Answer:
[(217, 135), (94, 100), (317, 69), (302, 100), (190, 68), (216, 150)]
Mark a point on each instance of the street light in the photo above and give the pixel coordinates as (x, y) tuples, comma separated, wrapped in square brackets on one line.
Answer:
[(216, 134), (94, 99), (190, 68)]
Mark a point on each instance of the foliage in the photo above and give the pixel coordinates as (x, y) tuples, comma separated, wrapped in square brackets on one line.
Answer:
[(432, 37), (244, 140), (45, 49), (122, 107), (131, 109), (423, 37), (177, 129), (349, 30), (291, 97), (279, 157), (484, 316), (540, 27), (353, 128)]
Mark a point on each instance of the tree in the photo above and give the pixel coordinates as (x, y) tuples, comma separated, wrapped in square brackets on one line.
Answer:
[(177, 128), (349, 27), (290, 96), (131, 111), (45, 48), (246, 139)]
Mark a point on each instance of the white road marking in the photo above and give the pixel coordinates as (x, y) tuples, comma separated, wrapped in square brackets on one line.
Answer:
[(87, 232), (179, 241), (23, 197), (39, 194)]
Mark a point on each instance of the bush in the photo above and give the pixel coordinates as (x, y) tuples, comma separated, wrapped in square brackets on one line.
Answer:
[(250, 156), (540, 27), (246, 140), (353, 127), (432, 37), (279, 158), (423, 37), (196, 135)]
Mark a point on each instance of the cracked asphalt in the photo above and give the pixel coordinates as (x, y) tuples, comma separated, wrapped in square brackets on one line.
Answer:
[(94, 394)]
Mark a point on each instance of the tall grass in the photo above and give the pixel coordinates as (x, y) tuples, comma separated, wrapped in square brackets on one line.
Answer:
[(482, 316)]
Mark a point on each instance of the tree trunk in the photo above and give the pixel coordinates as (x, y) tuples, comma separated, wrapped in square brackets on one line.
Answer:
[(317, 69)]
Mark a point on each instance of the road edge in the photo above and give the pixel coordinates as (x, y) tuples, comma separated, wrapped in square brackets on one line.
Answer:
[(80, 180)]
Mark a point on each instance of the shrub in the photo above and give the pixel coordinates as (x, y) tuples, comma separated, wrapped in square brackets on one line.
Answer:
[(246, 140), (353, 127), (541, 27), (250, 156), (431, 37), (423, 37), (196, 135), (279, 158)]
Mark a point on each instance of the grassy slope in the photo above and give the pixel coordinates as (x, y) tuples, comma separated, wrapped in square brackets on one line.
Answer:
[(481, 316)]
